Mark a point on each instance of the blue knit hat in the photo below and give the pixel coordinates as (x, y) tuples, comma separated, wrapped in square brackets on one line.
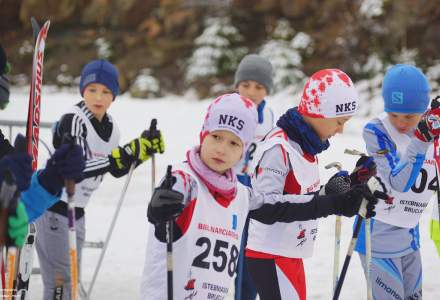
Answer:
[(100, 71), (405, 90)]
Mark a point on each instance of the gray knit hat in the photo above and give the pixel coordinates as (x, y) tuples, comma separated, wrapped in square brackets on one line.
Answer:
[(257, 68)]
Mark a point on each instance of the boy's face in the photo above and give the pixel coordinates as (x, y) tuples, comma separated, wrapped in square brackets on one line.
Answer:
[(328, 127), (404, 123), (252, 90), (98, 99), (221, 150)]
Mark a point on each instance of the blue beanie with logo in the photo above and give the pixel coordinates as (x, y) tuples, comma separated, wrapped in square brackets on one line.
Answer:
[(405, 89), (100, 71)]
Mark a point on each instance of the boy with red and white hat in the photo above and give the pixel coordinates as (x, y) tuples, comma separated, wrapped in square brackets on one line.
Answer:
[(287, 171)]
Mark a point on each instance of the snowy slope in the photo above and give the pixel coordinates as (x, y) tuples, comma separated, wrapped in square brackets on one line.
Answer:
[(180, 119)]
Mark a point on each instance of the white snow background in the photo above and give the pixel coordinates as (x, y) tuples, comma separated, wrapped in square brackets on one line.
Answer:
[(180, 119)]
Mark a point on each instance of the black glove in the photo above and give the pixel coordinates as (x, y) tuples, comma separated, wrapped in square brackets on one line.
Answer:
[(166, 204), (337, 184), (349, 204), (364, 170)]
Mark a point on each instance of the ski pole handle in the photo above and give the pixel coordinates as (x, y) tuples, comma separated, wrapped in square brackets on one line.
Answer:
[(153, 125), (152, 131), (435, 103), (70, 187)]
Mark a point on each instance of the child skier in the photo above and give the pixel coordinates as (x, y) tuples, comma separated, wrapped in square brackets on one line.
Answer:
[(253, 80), (208, 208), (401, 142), (98, 137), (36, 195), (286, 170)]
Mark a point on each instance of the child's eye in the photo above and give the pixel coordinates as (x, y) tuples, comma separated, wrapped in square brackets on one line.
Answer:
[(235, 144), (107, 92), (216, 137)]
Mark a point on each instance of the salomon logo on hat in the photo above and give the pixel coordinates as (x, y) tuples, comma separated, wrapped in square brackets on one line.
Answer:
[(405, 89), (397, 97)]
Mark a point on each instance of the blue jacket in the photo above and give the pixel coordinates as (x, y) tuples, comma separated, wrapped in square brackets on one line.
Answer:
[(37, 199)]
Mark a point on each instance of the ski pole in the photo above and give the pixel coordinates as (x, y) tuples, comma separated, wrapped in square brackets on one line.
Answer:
[(153, 129), (367, 240), (373, 185), (73, 254), (353, 241), (169, 224), (435, 103), (169, 238), (338, 226), (115, 217), (8, 195), (73, 251), (110, 231)]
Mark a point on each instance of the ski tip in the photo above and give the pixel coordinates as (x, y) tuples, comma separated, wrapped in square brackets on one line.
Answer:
[(35, 27)]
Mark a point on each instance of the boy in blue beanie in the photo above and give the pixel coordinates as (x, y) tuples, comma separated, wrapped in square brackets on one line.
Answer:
[(401, 141), (98, 136)]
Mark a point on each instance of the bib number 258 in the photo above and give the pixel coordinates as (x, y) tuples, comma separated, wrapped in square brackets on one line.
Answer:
[(220, 258)]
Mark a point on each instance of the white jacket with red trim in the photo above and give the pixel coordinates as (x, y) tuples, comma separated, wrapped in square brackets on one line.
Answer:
[(283, 173), (206, 254)]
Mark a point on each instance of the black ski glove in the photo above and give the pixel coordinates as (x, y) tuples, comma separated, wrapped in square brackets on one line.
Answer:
[(166, 204), (337, 184), (364, 170), (349, 204)]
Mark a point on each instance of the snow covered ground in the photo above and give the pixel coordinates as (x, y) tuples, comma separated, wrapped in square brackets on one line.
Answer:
[(180, 119)]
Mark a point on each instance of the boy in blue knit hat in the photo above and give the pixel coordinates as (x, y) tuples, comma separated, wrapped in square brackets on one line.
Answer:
[(98, 136), (402, 142)]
